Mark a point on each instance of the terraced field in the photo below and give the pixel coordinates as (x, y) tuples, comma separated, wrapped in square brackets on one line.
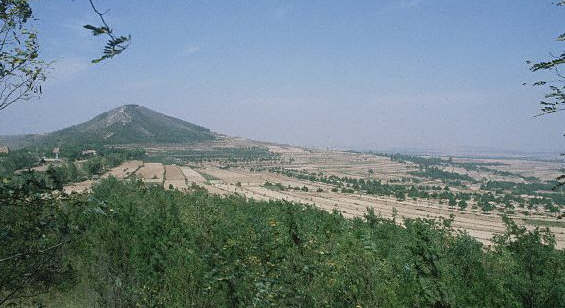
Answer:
[(151, 172), (174, 177), (124, 170), (192, 176), (250, 178)]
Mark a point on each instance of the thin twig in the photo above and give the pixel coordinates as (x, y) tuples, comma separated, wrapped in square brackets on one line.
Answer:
[(28, 254), (101, 15)]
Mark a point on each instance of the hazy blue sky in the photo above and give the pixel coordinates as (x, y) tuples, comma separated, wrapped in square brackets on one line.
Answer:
[(390, 73)]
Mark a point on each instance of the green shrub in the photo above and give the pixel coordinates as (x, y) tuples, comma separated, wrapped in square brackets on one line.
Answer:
[(141, 245)]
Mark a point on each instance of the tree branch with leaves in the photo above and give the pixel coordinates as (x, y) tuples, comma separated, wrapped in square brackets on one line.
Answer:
[(554, 99), (116, 44), (22, 72)]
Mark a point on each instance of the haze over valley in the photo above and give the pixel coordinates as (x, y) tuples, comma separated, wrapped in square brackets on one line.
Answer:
[(395, 153), (312, 75)]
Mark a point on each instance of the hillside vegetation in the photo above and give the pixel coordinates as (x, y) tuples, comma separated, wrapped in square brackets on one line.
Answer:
[(129, 244)]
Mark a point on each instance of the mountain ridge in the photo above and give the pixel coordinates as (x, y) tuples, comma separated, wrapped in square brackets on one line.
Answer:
[(126, 124)]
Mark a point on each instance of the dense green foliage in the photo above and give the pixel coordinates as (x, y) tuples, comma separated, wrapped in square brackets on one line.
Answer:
[(79, 171), (436, 173), (19, 159), (225, 155), (74, 168), (133, 244), (106, 157), (34, 231)]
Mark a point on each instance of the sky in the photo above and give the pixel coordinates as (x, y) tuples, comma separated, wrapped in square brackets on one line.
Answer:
[(440, 75)]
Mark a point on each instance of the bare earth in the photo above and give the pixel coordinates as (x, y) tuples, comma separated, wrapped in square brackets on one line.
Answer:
[(192, 176), (174, 177), (78, 187), (151, 172), (124, 170), (239, 178)]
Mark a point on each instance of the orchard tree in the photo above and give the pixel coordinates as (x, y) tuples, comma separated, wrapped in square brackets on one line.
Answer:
[(462, 204)]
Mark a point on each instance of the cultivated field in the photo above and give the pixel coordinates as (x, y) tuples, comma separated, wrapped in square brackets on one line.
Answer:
[(174, 178), (288, 176), (124, 170), (151, 172), (192, 176)]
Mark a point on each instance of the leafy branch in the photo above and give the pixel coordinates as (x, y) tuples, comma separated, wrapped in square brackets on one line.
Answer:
[(554, 99), (115, 45), (22, 72)]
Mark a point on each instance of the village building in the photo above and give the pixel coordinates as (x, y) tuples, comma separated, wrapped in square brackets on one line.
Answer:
[(56, 152), (4, 149), (88, 153)]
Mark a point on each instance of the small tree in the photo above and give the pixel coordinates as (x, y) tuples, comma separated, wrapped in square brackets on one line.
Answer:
[(462, 204), (400, 196)]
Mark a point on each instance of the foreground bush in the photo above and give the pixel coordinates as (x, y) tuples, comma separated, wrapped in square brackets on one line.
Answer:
[(142, 245)]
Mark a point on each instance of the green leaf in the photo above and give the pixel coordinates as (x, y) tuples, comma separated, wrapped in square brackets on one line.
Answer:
[(97, 30)]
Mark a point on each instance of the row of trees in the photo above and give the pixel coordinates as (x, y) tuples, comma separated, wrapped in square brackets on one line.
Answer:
[(433, 164), (436, 173), (496, 196)]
